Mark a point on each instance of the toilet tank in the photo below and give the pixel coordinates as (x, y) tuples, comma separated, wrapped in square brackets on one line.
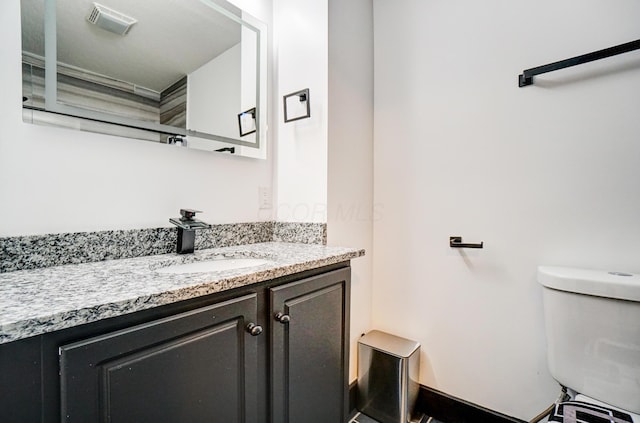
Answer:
[(592, 321)]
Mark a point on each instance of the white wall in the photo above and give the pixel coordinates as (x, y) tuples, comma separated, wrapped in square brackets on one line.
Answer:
[(58, 180), (300, 34), (546, 174), (350, 149), (324, 163)]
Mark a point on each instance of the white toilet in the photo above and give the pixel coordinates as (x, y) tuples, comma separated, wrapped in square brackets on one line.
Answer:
[(592, 321)]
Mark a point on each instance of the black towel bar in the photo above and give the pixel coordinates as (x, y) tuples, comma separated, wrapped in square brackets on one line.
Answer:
[(526, 78)]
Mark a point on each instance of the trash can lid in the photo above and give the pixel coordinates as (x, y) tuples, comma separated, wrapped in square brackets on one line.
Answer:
[(395, 345)]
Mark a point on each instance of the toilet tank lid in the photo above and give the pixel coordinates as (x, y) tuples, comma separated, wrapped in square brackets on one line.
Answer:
[(601, 283)]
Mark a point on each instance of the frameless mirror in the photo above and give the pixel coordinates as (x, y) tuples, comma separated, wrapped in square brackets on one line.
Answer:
[(188, 72)]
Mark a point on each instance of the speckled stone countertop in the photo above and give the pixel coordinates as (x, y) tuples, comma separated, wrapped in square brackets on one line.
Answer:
[(38, 301)]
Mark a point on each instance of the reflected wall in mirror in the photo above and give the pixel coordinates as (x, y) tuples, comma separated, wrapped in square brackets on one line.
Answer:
[(149, 69)]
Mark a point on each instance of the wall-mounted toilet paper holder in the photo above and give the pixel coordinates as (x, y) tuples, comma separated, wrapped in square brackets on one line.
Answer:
[(456, 242)]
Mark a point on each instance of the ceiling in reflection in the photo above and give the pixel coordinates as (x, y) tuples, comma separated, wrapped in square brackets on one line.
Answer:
[(154, 47)]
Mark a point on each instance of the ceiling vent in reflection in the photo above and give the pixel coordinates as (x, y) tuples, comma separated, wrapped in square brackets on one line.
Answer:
[(110, 20)]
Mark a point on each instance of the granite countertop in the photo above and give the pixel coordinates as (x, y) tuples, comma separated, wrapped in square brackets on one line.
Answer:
[(33, 302)]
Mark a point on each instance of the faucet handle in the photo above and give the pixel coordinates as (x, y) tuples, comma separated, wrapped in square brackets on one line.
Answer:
[(188, 221), (188, 214)]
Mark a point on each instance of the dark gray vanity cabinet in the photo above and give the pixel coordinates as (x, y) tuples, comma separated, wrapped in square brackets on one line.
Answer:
[(310, 349), (197, 366), (271, 352)]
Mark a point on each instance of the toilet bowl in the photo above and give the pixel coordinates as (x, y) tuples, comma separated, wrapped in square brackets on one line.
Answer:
[(592, 324)]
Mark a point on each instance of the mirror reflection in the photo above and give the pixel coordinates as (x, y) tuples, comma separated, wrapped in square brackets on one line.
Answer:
[(161, 70)]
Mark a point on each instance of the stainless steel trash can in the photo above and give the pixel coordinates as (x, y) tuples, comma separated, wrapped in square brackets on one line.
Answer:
[(388, 368)]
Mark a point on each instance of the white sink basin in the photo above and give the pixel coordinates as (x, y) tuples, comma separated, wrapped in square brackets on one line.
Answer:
[(215, 265)]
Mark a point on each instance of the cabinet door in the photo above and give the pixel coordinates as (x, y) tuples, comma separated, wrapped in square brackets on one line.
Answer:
[(197, 366), (310, 349)]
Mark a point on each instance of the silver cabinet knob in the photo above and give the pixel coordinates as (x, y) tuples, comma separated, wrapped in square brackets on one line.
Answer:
[(254, 329), (282, 318)]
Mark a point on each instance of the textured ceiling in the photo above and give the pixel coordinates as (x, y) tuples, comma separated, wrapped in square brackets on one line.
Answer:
[(171, 38)]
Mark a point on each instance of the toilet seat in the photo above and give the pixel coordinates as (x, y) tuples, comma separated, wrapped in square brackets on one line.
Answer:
[(584, 398)]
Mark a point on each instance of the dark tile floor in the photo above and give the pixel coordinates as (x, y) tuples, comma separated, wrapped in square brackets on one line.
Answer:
[(362, 418)]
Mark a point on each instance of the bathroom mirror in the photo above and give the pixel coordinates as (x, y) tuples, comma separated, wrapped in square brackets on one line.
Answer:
[(159, 70)]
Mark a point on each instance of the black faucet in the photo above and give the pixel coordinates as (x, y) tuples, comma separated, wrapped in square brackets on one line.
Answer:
[(187, 225)]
